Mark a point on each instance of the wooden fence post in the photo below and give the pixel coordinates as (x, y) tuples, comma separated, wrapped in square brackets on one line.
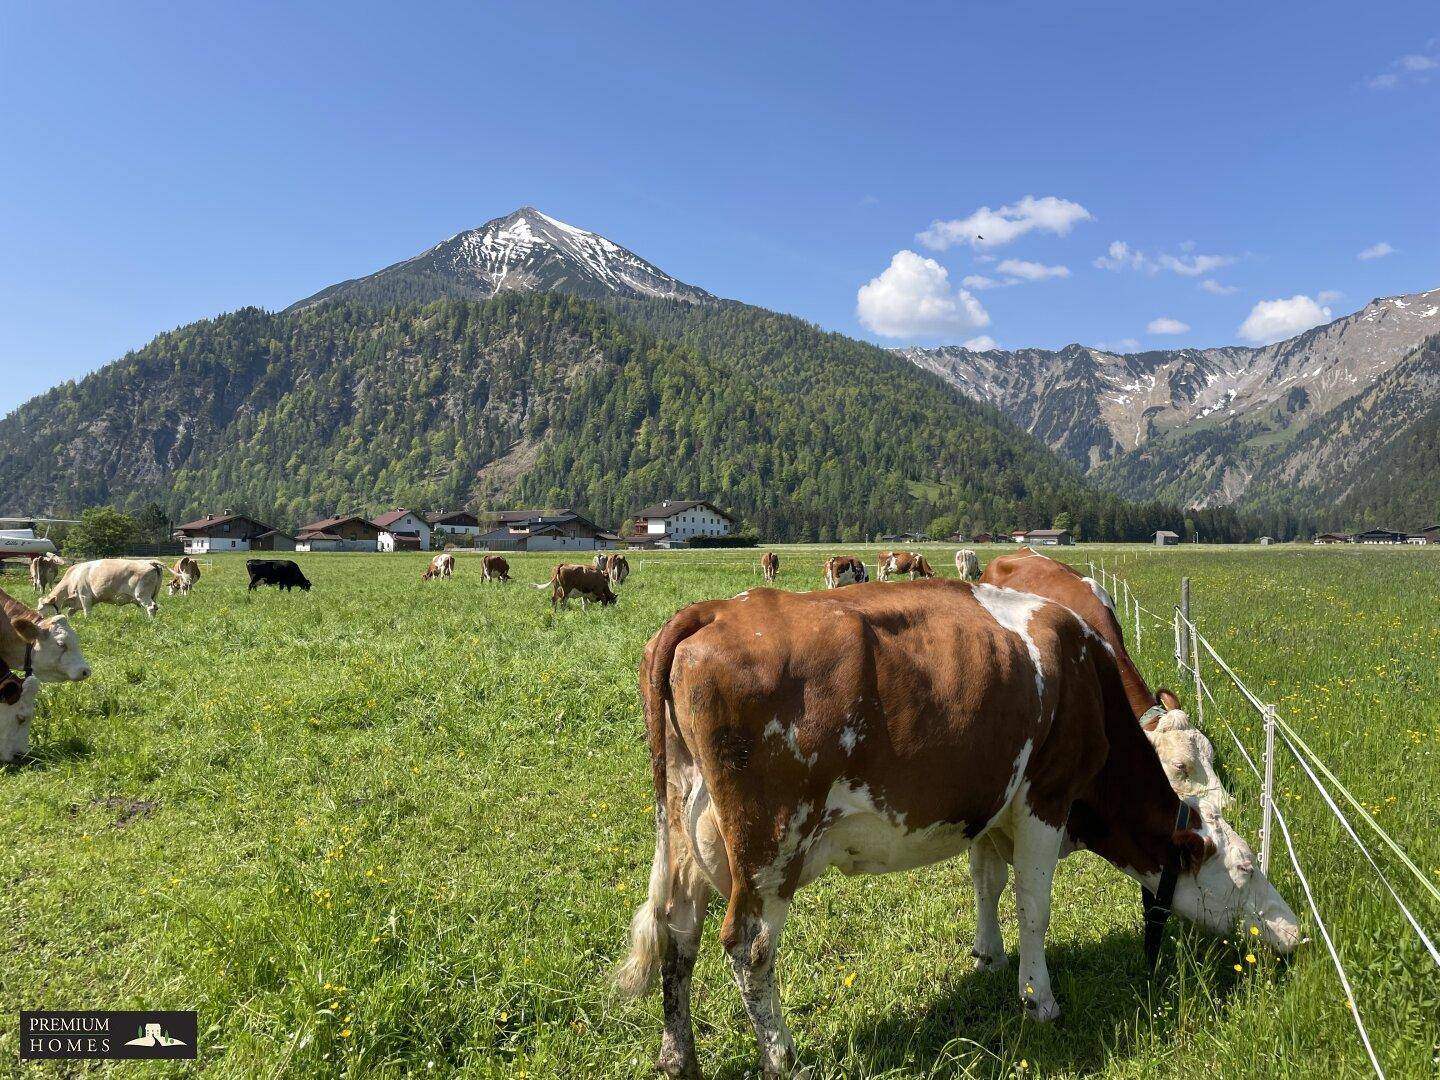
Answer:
[(1182, 638)]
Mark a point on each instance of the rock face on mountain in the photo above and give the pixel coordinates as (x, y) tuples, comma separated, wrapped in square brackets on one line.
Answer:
[(525, 251), (1198, 425)]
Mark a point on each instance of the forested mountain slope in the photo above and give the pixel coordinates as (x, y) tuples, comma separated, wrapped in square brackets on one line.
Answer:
[(539, 397)]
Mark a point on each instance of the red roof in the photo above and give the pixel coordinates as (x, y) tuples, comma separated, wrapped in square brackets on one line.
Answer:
[(389, 518)]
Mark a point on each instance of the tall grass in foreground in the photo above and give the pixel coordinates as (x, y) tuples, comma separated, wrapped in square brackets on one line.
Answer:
[(391, 829)]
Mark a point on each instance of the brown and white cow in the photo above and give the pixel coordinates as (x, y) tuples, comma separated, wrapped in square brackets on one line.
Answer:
[(884, 728), (186, 572), (1186, 754), (33, 650), (494, 568), (844, 570), (441, 565), (895, 563), (967, 565), (586, 582), (45, 570), (770, 567), (107, 581), (617, 568)]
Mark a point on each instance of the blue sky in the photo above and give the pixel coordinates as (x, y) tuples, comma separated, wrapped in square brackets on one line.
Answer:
[(170, 162)]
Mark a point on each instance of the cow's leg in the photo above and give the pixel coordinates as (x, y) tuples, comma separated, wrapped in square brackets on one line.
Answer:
[(689, 895), (1037, 849), (751, 936), (988, 871)]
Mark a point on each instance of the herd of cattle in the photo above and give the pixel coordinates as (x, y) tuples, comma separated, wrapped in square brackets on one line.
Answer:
[(865, 727)]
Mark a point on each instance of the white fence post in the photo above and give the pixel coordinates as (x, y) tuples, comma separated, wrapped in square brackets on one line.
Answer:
[(1267, 793), (1199, 682)]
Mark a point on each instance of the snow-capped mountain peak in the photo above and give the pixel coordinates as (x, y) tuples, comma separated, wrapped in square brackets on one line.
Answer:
[(525, 250)]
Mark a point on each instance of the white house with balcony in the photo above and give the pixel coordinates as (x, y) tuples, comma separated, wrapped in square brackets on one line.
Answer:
[(680, 521), (403, 530), (227, 531)]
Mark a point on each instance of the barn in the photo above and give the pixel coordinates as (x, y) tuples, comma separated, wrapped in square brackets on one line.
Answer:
[(348, 532), (1166, 538), (541, 530), (1050, 538)]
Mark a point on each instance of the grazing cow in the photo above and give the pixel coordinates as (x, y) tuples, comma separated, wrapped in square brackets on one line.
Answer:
[(844, 570), (895, 563), (441, 566), (1186, 754), (598, 563), (107, 581), (617, 568), (282, 573), (45, 570), (32, 650), (770, 567), (880, 729), (967, 565), (186, 573), (583, 581), (494, 568)]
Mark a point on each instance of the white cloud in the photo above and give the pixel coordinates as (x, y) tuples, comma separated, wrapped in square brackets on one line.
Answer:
[(1032, 271), (1326, 296), (1166, 325), (1194, 265), (987, 228), (1411, 68), (1121, 256), (1216, 289), (980, 281), (912, 297), (983, 343), (1376, 251), (1275, 320)]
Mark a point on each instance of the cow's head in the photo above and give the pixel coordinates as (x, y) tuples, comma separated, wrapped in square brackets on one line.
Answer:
[(1188, 758), (55, 648), (1221, 885), (607, 594)]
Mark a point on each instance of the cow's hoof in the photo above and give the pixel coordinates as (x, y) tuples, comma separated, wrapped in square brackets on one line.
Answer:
[(677, 1065), (985, 962), (1041, 1011)]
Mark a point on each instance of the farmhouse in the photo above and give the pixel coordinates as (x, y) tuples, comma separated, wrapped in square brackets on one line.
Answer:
[(1017, 536), (454, 522), (227, 531), (904, 538), (403, 530), (1380, 536), (541, 530), (1050, 537), (982, 538), (349, 532), (675, 522), (1166, 538), (274, 540), (1334, 538)]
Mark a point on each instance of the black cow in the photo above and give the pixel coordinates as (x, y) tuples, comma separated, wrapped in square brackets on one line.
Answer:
[(282, 572)]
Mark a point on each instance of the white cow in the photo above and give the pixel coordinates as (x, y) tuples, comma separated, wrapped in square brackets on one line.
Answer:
[(108, 581), (967, 565), (44, 569), (50, 650)]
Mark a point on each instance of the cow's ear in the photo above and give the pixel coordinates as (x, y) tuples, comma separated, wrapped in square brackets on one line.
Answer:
[(1191, 849), (1166, 699), (30, 629)]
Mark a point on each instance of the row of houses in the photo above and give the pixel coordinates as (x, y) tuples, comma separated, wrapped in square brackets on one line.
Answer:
[(1430, 534), (666, 524)]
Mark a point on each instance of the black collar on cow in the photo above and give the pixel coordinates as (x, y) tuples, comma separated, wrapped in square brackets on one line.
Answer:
[(12, 685), (1157, 904)]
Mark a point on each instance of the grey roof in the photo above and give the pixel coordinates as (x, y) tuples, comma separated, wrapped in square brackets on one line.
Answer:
[(673, 507)]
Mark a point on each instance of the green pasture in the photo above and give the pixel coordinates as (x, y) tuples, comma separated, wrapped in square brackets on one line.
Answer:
[(393, 828)]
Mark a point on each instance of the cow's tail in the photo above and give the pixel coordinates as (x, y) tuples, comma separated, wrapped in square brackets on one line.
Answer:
[(650, 927)]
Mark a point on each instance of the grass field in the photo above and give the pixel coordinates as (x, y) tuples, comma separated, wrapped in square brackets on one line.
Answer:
[(391, 828)]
